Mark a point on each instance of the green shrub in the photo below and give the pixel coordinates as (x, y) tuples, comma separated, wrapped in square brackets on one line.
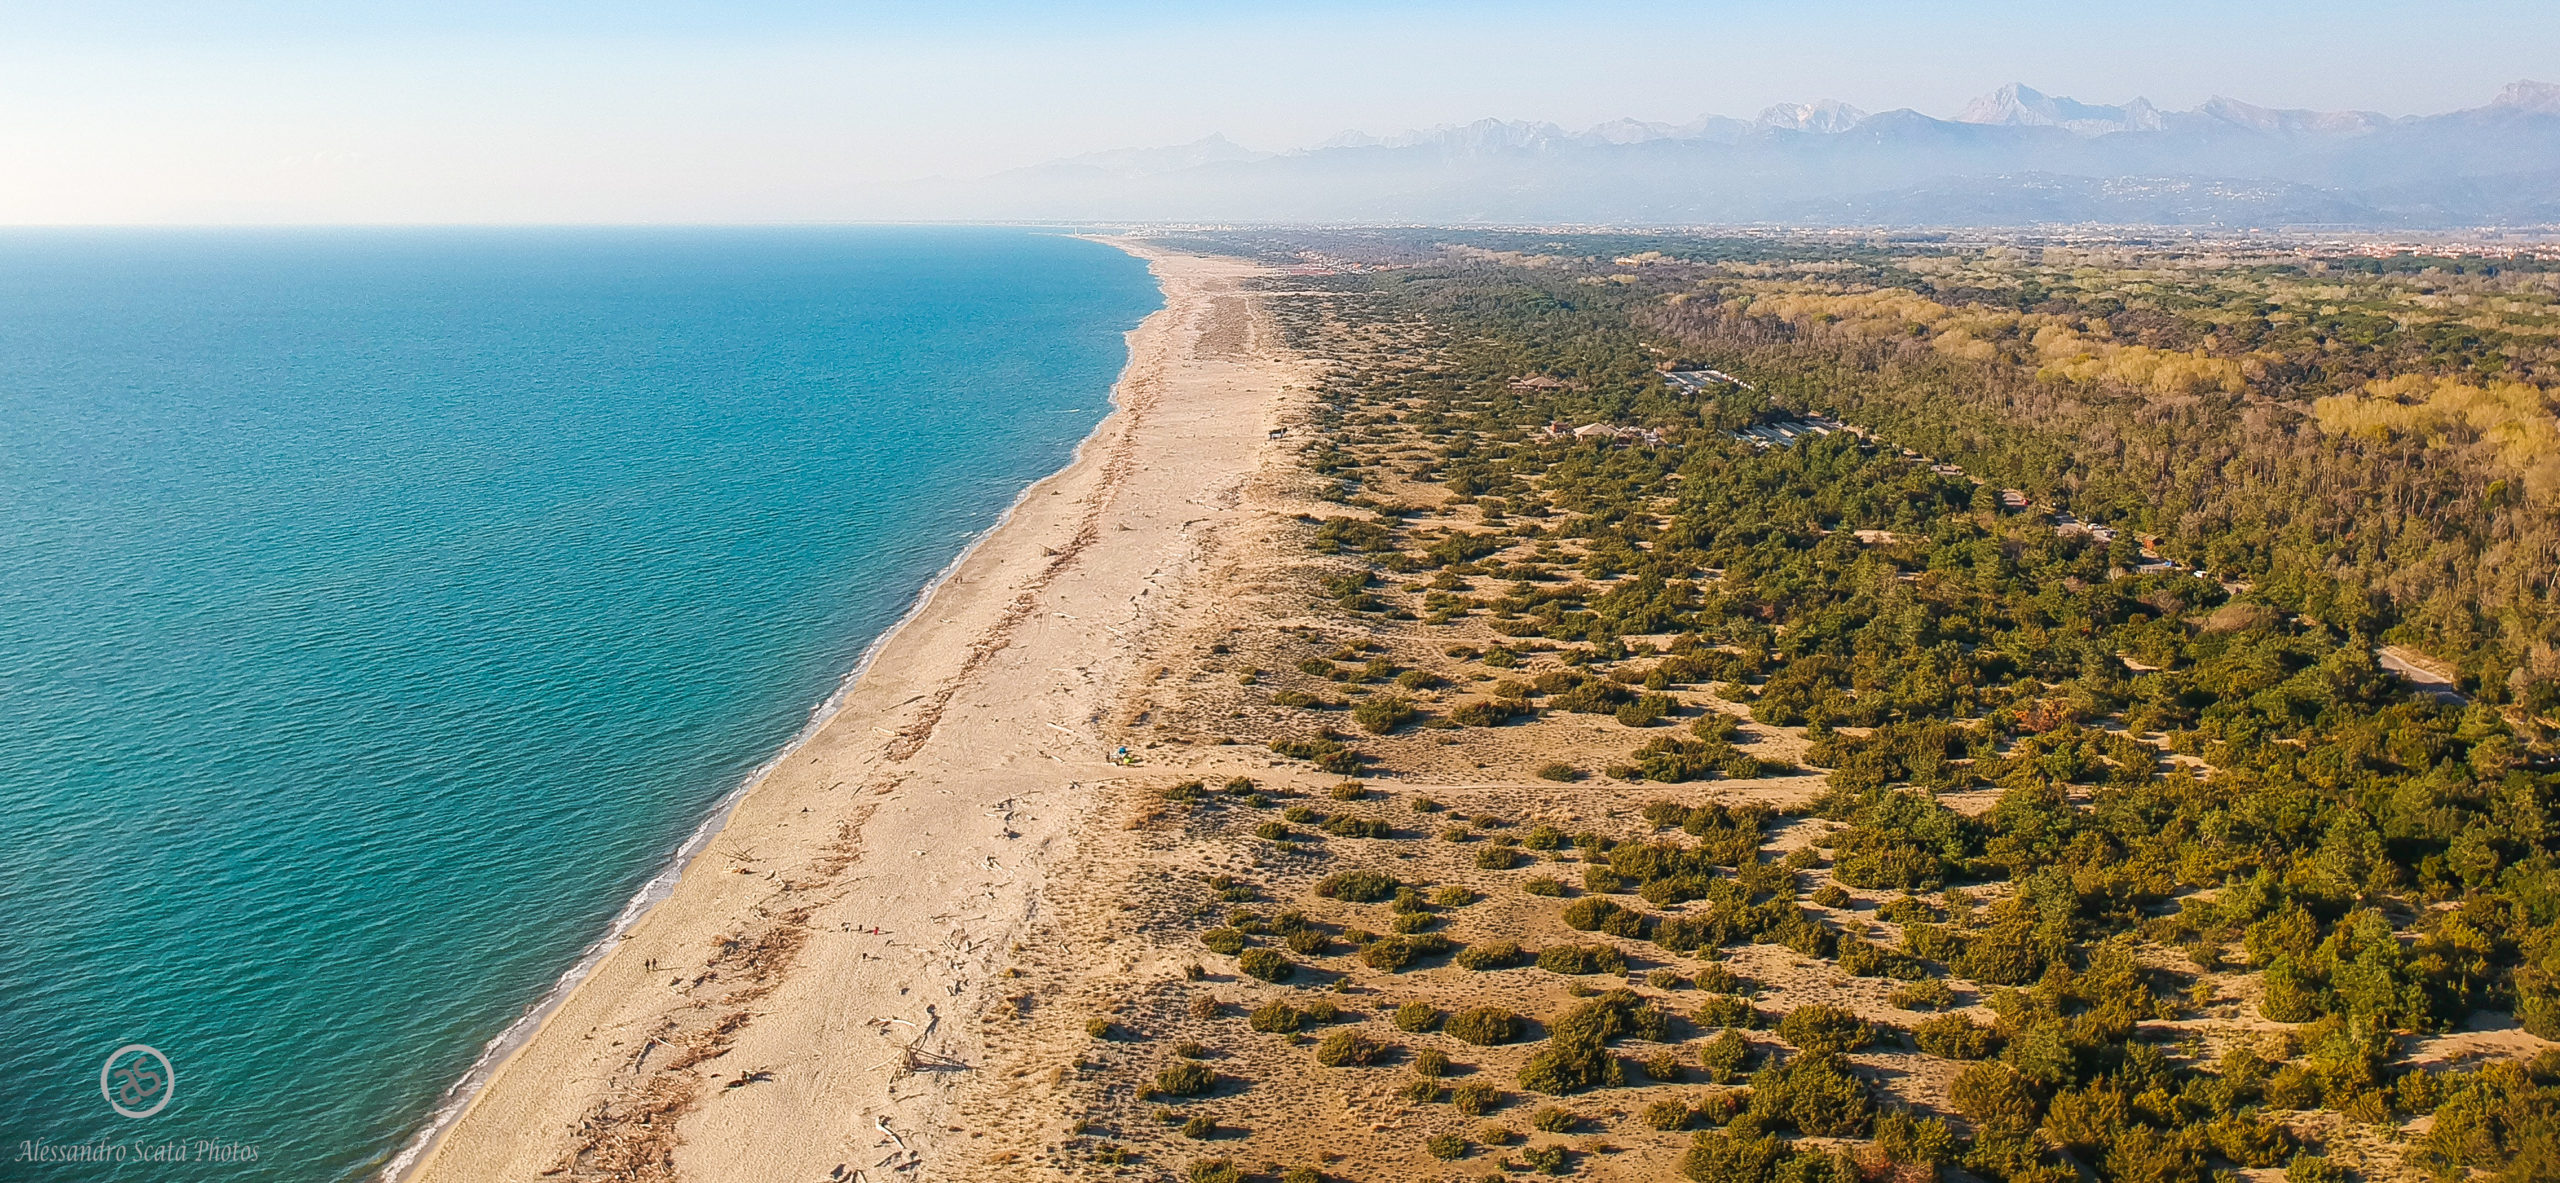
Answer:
[(1727, 1010), (1824, 1028), (1725, 1056), (1475, 1099), (1483, 1026), (1272, 831), (1991, 1093), (1559, 771), (1353, 826), (1582, 959), (1594, 913), (1715, 977), (1553, 1120), (1348, 1048), (1664, 1065), (1383, 713), (1215, 1170), (1445, 1146), (1417, 1016), (1484, 712), (1200, 1127), (1925, 994), (1389, 953), (1349, 790), (1358, 887), (1498, 858), (1267, 964), (1725, 1158), (1455, 895), (1431, 1062), (1646, 710), (1813, 1093), (1276, 1018), (1223, 940), (1551, 1160), (1185, 1078), (1492, 955), (1542, 885), (1953, 1037), (1308, 942), (1576, 1056), (1669, 1113)]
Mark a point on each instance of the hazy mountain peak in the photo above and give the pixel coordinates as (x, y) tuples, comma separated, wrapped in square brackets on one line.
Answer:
[(1483, 135), (2227, 163), (2542, 98), (1824, 116), (2290, 121), (2020, 105), (1214, 148), (1631, 131)]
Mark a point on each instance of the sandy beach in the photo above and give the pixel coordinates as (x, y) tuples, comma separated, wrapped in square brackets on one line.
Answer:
[(808, 1000)]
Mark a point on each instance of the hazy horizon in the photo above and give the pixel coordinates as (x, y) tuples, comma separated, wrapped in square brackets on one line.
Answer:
[(692, 113)]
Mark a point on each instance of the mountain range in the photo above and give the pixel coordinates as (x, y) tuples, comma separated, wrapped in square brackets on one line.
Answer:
[(2016, 156)]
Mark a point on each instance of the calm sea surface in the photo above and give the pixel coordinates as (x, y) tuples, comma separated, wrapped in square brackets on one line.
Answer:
[(379, 610)]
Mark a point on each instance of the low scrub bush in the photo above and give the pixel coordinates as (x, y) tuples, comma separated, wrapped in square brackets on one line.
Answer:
[(1383, 713), (1215, 1170), (1823, 1028), (1953, 1037), (1582, 959), (1483, 1026), (1475, 1099), (1814, 1093), (1225, 941), (1925, 994), (1276, 1018), (1270, 965), (1726, 1056), (1357, 887), (1185, 1078), (1349, 1048), (1308, 942), (1492, 955), (1727, 1010)]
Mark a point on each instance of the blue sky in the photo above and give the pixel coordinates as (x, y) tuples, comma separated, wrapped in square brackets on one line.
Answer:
[(674, 110)]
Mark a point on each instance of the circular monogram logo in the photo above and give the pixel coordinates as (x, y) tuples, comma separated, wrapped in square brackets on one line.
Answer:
[(138, 1080)]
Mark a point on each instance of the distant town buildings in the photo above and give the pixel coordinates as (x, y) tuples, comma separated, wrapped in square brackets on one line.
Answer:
[(1694, 381), (1605, 432)]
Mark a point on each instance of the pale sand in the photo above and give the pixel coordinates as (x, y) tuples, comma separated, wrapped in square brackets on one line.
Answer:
[(751, 1027)]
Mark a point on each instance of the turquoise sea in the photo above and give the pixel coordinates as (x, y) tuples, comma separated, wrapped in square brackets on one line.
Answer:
[(379, 610)]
